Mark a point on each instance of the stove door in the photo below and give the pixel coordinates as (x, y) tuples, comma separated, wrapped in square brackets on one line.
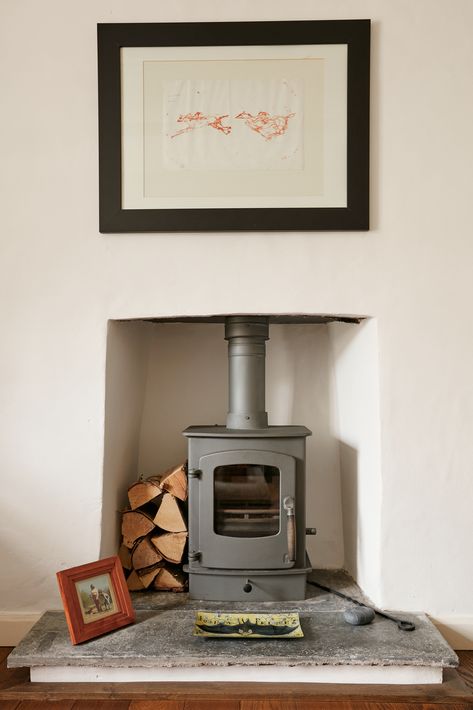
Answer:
[(246, 510)]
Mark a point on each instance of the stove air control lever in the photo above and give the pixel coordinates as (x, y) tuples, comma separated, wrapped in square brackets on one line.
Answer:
[(288, 503)]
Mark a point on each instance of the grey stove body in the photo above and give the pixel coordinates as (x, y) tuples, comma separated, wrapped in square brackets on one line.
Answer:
[(247, 523)]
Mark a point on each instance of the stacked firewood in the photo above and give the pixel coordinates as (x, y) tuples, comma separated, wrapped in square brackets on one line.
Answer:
[(154, 530)]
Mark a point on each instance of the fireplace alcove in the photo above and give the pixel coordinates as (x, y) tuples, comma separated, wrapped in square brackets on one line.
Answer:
[(164, 374)]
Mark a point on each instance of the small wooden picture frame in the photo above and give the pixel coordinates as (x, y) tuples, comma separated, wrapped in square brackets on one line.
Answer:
[(96, 599)]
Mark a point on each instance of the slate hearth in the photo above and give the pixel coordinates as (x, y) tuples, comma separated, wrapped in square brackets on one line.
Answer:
[(160, 646)]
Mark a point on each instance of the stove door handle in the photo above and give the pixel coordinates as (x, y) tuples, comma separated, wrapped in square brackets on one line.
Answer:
[(288, 504)]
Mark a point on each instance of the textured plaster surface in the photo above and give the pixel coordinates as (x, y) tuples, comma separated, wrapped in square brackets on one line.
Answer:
[(162, 637)]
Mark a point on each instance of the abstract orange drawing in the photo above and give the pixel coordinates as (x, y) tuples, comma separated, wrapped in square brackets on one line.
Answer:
[(266, 125), (199, 120), (263, 123)]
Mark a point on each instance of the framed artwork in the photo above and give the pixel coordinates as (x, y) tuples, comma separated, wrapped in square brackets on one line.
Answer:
[(234, 126), (96, 599)]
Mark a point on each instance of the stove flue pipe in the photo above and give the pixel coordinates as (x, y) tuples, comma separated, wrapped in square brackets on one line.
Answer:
[(246, 337)]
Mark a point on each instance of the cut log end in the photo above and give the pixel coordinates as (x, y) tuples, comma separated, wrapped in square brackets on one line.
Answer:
[(145, 555), (170, 545), (142, 492), (134, 583), (172, 580), (169, 516), (124, 555), (135, 524), (174, 481), (147, 576)]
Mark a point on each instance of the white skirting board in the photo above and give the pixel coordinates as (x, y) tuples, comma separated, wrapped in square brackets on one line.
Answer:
[(391, 675), (15, 625), (456, 630)]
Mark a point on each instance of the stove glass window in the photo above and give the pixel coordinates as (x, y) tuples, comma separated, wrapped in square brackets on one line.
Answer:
[(246, 500)]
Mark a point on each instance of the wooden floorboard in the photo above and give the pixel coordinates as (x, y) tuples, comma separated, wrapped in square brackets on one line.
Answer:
[(101, 705), (452, 690), (9, 704), (49, 705), (4, 653), (17, 693), (466, 667)]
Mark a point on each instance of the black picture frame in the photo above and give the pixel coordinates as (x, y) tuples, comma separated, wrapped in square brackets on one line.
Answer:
[(113, 37)]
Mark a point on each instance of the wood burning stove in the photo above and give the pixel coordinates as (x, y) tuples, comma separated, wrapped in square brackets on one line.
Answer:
[(247, 488)]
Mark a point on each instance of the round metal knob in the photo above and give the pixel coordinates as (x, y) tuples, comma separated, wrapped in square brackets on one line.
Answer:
[(247, 588)]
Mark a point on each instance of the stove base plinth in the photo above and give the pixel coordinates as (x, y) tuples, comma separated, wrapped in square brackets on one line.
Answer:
[(249, 585)]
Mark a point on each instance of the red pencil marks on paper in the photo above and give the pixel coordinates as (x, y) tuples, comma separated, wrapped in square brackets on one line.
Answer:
[(217, 123), (266, 125), (263, 123), (200, 120)]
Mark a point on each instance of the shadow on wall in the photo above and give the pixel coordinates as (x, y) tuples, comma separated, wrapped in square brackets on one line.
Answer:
[(349, 495), (300, 391), (357, 428), (125, 384)]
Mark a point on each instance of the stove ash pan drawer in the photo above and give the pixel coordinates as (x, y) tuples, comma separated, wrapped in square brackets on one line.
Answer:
[(243, 510), (248, 586)]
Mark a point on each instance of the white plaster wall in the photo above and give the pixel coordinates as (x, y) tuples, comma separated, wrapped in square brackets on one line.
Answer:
[(186, 384), (300, 390), (125, 390), (61, 281), (355, 419)]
